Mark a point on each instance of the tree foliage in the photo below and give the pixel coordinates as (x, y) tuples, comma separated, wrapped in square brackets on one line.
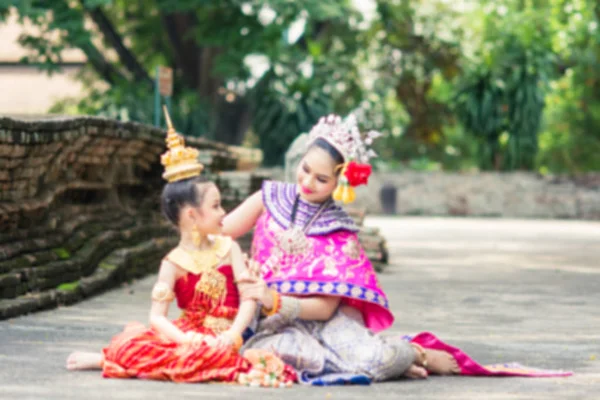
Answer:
[(570, 138), (503, 84), (207, 43), (500, 95)]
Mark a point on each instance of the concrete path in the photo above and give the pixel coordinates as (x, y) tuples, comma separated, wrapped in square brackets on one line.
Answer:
[(503, 290)]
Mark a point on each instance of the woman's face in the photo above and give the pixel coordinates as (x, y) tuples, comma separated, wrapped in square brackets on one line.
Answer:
[(209, 215), (316, 176)]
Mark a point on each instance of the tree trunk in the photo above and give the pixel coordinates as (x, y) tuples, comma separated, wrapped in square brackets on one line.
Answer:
[(185, 50), (232, 121), (112, 36)]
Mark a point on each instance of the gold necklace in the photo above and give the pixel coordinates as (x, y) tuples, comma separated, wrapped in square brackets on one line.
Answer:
[(293, 240), (212, 283)]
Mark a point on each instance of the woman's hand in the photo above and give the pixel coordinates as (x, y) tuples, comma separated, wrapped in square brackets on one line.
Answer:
[(251, 286)]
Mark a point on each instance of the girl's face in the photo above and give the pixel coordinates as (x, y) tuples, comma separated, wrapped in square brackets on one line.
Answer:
[(316, 176), (208, 217)]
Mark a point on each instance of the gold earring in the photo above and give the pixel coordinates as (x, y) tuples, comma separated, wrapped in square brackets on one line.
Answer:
[(196, 236)]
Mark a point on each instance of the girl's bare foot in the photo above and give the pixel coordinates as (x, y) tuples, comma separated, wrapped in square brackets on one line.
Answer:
[(81, 360), (416, 372), (441, 363)]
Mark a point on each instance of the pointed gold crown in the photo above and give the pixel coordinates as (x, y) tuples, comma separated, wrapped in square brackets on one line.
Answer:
[(180, 162)]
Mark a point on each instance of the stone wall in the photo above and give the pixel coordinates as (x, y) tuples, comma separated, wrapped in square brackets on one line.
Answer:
[(512, 195), (79, 207), (485, 194)]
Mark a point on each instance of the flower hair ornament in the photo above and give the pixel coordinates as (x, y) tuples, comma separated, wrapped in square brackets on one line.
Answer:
[(346, 138), (180, 162)]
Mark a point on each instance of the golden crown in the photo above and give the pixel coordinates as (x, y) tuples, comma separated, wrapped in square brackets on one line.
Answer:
[(180, 162)]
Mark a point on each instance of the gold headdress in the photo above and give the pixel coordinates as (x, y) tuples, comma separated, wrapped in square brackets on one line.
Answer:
[(180, 162), (346, 138)]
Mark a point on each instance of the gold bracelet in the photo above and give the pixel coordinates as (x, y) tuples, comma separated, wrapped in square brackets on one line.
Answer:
[(290, 308), (276, 304)]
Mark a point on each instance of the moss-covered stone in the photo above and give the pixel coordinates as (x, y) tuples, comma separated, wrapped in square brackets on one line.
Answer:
[(11, 279), (107, 266), (62, 253), (68, 287)]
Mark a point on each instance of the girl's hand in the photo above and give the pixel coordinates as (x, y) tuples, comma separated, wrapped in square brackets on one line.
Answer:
[(194, 339), (223, 341), (252, 266), (229, 339)]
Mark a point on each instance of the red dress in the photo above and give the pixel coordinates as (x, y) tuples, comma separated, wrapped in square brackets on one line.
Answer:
[(144, 353)]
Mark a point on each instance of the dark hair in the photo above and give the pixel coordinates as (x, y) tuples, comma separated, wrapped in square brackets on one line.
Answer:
[(332, 151), (177, 194)]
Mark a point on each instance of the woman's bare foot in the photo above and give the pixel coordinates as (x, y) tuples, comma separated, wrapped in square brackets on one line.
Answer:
[(416, 372), (81, 360), (441, 363)]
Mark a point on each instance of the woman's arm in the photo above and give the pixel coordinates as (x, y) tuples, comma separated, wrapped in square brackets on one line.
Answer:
[(314, 308), (162, 296), (239, 221), (318, 308)]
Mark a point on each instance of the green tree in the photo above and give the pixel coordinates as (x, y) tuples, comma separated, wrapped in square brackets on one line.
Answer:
[(207, 43), (570, 138), (410, 51), (504, 84), (500, 96)]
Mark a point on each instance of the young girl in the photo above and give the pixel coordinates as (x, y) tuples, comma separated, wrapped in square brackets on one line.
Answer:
[(203, 344)]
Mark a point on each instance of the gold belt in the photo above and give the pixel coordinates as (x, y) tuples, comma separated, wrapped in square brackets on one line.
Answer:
[(217, 324)]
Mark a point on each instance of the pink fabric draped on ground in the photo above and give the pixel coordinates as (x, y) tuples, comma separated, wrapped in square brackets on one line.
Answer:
[(468, 366)]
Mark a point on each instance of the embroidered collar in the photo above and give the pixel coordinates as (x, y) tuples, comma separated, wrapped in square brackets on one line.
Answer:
[(200, 261), (279, 197)]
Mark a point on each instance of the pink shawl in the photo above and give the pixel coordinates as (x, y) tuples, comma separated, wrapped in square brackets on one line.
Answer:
[(334, 265)]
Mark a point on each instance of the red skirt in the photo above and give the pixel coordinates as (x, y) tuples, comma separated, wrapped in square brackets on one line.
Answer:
[(139, 352)]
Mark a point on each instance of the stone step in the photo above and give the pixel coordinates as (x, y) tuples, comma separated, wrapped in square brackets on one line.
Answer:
[(81, 263), (53, 245), (77, 214), (118, 266)]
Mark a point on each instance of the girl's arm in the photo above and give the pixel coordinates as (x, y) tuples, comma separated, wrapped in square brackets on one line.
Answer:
[(247, 308), (162, 296), (239, 221)]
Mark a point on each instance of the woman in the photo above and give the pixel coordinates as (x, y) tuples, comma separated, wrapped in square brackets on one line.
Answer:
[(323, 302), (331, 303)]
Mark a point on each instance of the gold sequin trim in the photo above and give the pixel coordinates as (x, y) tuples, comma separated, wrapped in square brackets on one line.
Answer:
[(217, 324)]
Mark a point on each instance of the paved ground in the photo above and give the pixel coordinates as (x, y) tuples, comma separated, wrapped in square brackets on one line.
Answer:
[(503, 290)]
